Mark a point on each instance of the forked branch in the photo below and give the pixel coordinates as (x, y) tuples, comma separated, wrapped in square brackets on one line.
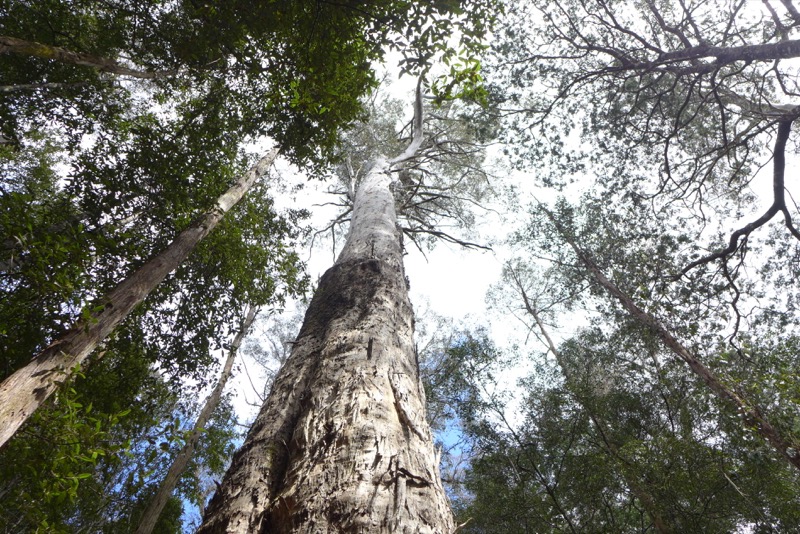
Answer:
[(749, 412), (778, 205), (416, 141)]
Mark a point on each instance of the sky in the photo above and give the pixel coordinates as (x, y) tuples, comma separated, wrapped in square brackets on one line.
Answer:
[(449, 281)]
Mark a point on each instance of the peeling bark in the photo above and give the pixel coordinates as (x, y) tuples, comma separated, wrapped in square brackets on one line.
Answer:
[(342, 444)]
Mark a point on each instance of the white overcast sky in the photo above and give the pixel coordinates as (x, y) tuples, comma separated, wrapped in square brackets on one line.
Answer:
[(449, 281)]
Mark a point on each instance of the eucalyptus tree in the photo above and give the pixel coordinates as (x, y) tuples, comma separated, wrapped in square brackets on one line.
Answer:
[(148, 159), (155, 507), (342, 441), (676, 104), (69, 463), (670, 451), (88, 459), (121, 124), (664, 114), (27, 388), (614, 436)]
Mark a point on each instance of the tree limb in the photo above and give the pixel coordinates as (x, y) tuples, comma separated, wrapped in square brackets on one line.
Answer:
[(750, 413), (33, 49), (5, 89), (778, 205), (444, 236), (416, 141), (612, 449)]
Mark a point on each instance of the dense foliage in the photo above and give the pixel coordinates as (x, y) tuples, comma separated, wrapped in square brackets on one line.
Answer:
[(658, 122), (662, 285), (120, 122)]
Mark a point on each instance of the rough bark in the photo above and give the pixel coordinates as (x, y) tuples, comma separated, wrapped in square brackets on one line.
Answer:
[(25, 390), (342, 444), (160, 499), (33, 49)]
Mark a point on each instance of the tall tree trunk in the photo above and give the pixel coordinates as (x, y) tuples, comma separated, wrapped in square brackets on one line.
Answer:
[(156, 506), (25, 390), (21, 47), (750, 413), (638, 488), (342, 444)]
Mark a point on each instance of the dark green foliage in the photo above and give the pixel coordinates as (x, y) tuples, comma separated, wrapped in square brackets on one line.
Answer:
[(63, 467), (613, 445), (169, 522), (60, 256), (290, 69), (86, 461), (99, 171), (43, 253)]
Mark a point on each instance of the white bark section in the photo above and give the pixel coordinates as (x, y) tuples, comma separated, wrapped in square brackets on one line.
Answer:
[(416, 142), (342, 444), (156, 506), (373, 232), (25, 390)]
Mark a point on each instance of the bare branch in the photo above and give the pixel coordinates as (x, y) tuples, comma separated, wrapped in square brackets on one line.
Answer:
[(792, 10), (780, 28), (445, 237), (778, 206), (416, 142)]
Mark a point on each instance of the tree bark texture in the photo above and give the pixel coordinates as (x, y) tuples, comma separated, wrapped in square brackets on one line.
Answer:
[(342, 444), (25, 390), (156, 506)]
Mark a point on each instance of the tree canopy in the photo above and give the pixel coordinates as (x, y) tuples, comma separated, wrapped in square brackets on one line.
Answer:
[(120, 123), (658, 283), (653, 273)]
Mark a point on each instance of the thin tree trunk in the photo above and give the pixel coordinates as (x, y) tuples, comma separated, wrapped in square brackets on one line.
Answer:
[(5, 89), (342, 444), (156, 506), (750, 413), (25, 390), (22, 47), (637, 488)]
